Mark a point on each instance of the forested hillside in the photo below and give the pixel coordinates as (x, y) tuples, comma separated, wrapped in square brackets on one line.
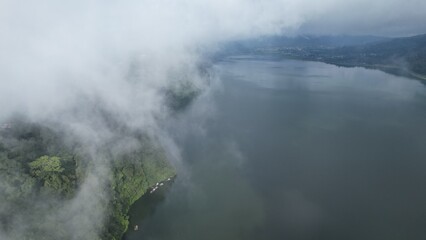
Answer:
[(40, 169)]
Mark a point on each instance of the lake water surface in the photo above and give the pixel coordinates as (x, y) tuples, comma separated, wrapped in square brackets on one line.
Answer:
[(295, 150)]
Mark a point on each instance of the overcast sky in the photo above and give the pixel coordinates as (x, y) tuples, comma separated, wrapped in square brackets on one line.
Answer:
[(373, 17)]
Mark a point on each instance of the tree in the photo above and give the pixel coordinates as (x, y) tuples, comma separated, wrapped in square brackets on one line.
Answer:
[(45, 166), (48, 171)]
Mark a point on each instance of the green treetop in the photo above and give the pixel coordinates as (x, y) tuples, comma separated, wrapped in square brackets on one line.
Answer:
[(45, 166)]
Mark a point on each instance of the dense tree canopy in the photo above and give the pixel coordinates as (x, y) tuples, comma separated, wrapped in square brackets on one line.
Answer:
[(35, 163), (46, 166)]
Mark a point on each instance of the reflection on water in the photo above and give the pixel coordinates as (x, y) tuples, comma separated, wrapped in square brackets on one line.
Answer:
[(296, 150)]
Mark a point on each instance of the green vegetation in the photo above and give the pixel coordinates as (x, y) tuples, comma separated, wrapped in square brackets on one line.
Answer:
[(46, 166), (42, 168), (38, 163), (48, 171), (139, 171)]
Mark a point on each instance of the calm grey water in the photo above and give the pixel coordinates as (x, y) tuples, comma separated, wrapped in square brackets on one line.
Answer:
[(296, 150)]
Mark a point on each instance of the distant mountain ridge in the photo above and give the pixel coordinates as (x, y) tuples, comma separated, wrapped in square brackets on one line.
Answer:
[(402, 56), (301, 41), (408, 54), (315, 41)]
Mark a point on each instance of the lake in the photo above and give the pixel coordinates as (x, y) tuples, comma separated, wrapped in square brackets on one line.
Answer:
[(295, 150)]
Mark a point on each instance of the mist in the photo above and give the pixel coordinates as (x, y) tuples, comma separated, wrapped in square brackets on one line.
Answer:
[(53, 54), (65, 64)]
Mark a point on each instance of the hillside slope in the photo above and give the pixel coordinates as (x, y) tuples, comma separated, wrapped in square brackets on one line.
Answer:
[(38, 167), (402, 56)]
